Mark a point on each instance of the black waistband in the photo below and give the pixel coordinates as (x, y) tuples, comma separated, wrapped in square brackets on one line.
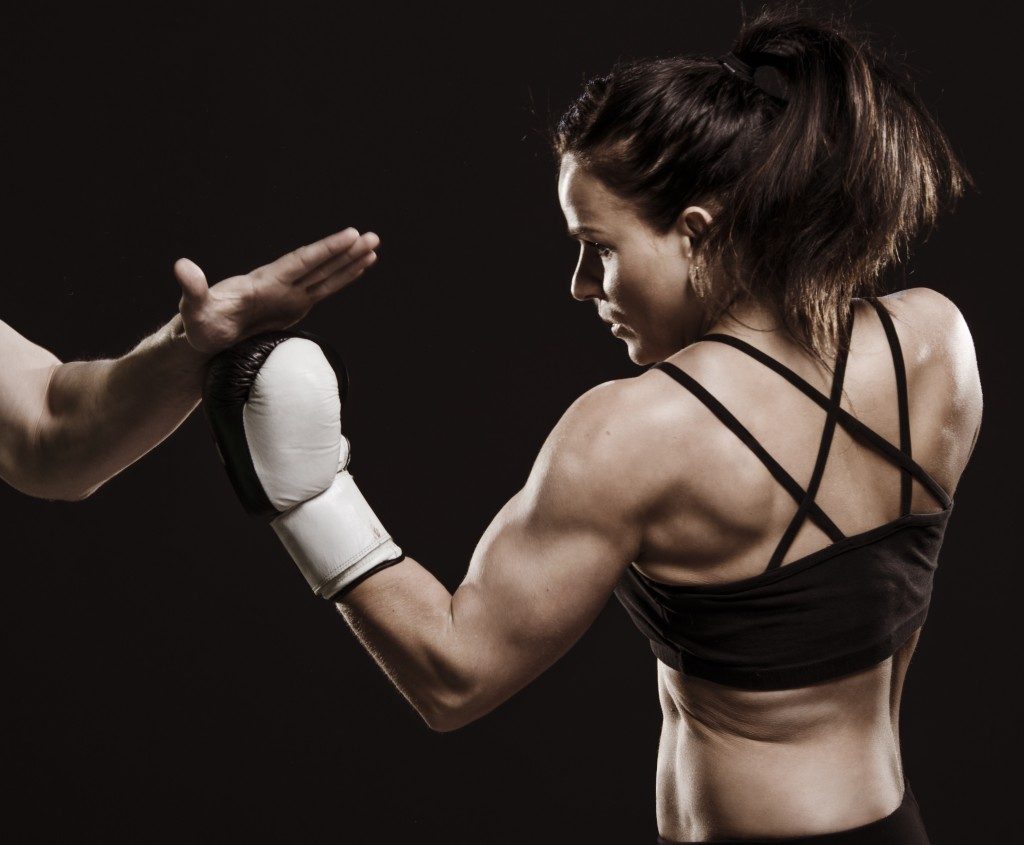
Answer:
[(904, 826)]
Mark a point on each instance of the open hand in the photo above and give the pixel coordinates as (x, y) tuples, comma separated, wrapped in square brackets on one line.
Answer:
[(274, 296)]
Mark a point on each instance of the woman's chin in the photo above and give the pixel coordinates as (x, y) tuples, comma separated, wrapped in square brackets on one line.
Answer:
[(637, 353), (643, 354)]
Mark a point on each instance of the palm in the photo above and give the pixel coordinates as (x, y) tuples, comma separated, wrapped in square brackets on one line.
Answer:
[(274, 296)]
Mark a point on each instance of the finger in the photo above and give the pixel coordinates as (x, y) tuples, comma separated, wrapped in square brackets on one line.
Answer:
[(344, 277), (192, 280), (305, 259), (365, 244)]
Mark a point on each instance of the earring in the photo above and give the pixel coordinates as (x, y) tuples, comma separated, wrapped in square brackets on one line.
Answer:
[(699, 278)]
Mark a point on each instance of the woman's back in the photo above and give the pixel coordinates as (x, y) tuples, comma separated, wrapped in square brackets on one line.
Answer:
[(789, 759)]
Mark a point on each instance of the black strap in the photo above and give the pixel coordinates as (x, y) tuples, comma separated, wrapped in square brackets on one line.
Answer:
[(737, 67), (853, 426), (901, 399), (839, 373), (800, 495)]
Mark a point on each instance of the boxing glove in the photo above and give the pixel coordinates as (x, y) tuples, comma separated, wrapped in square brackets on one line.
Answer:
[(274, 403)]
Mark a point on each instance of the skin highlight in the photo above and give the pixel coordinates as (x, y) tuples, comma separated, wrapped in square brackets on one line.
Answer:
[(638, 278), (639, 473)]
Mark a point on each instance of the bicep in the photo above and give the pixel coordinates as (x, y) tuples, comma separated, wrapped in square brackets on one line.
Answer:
[(24, 377), (551, 558)]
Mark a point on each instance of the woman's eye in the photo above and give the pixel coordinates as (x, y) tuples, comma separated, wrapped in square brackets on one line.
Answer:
[(602, 251)]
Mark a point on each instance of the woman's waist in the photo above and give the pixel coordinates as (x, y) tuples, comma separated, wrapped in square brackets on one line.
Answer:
[(721, 786)]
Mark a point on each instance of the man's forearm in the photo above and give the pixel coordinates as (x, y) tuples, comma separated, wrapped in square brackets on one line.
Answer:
[(68, 428), (101, 416)]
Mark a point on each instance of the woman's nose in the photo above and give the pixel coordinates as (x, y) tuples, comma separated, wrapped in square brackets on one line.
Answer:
[(586, 284)]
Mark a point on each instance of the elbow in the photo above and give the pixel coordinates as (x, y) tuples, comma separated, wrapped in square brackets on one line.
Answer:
[(457, 686), (439, 723), (443, 727), (57, 484), (441, 719), (62, 493), (450, 707), (34, 473), (54, 489), (57, 481), (46, 467)]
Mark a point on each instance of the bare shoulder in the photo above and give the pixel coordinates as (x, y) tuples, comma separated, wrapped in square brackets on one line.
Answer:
[(934, 325), (611, 443), (594, 439), (937, 331), (941, 361)]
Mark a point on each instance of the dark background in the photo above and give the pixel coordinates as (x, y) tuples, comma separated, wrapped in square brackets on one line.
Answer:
[(168, 677)]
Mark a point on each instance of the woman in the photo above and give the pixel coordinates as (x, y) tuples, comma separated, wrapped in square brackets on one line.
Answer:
[(770, 519)]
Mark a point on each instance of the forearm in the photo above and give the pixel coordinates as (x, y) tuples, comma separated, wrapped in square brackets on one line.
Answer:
[(101, 416), (537, 578), (404, 618)]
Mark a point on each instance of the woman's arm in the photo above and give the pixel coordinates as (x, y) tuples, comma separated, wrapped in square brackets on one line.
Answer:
[(539, 576), (68, 428)]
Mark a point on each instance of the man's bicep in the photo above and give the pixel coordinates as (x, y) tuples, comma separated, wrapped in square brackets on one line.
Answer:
[(24, 376)]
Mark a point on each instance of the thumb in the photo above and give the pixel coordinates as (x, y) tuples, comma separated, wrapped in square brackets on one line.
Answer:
[(192, 280)]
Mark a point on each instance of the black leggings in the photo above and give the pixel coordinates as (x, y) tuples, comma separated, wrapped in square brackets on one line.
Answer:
[(901, 827)]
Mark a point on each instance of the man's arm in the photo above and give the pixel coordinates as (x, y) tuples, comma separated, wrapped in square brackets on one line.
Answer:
[(68, 428), (539, 576)]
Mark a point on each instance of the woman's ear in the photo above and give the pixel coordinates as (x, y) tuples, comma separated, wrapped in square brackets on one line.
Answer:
[(693, 223)]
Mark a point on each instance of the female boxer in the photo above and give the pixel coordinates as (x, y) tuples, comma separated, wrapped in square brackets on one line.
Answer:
[(767, 500)]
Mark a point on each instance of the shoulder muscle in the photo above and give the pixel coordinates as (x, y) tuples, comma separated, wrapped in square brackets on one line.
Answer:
[(943, 353), (591, 465)]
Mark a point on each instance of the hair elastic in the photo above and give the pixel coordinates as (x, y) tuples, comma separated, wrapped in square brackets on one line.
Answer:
[(769, 80), (737, 67)]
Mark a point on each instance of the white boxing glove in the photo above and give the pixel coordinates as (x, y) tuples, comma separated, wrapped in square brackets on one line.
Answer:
[(274, 403)]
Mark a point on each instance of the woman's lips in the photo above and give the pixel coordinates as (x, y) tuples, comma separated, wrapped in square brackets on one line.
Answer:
[(618, 328)]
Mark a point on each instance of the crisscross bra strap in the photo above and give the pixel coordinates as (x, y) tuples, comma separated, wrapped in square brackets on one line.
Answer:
[(853, 426), (839, 373), (805, 501), (901, 399)]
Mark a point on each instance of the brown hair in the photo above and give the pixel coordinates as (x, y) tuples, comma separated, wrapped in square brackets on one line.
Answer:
[(815, 188)]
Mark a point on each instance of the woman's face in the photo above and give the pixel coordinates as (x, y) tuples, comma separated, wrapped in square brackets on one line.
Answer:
[(638, 278)]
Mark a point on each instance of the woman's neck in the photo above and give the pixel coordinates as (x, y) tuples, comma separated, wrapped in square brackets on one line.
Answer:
[(746, 318)]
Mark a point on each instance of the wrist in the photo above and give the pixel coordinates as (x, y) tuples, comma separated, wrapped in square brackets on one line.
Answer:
[(180, 354), (335, 538), (175, 333)]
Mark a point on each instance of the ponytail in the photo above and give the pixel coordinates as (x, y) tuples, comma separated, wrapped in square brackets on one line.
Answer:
[(816, 186)]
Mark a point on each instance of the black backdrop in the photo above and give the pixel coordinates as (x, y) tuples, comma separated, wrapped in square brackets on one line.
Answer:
[(168, 676)]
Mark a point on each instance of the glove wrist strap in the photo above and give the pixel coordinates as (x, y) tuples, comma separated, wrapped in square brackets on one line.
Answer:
[(335, 538)]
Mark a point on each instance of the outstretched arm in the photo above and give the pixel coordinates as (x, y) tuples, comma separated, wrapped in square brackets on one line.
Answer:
[(539, 576), (68, 428)]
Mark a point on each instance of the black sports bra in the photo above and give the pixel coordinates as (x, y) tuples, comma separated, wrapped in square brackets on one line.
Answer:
[(833, 612)]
